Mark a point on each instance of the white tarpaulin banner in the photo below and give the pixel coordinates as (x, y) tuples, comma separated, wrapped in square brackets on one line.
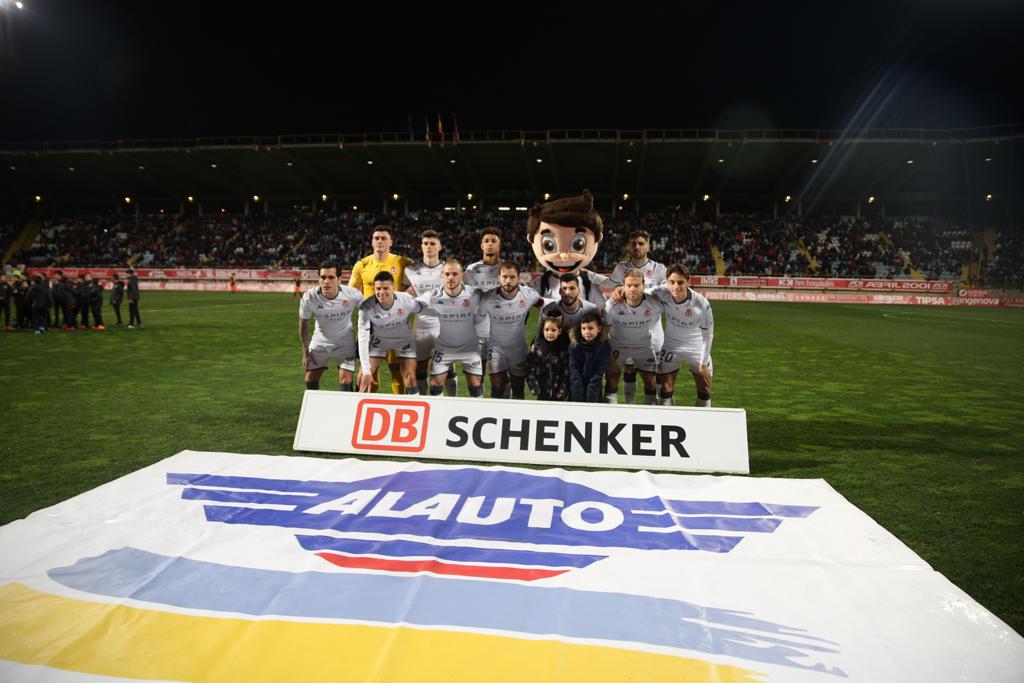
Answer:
[(226, 567), (535, 432)]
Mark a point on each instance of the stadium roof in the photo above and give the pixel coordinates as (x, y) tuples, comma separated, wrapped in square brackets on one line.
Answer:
[(519, 167)]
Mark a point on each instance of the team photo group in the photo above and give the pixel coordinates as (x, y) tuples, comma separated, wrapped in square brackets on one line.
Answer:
[(425, 318)]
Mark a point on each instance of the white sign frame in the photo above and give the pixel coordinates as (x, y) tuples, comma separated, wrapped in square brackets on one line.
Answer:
[(684, 439)]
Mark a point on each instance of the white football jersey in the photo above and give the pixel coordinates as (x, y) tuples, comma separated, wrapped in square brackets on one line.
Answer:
[(388, 324), (423, 279), (633, 325), (483, 276), (333, 316), (508, 316), (571, 319), (654, 273), (687, 322), (457, 315)]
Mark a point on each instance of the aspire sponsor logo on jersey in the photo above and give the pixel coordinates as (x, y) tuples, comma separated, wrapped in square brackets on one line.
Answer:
[(449, 521)]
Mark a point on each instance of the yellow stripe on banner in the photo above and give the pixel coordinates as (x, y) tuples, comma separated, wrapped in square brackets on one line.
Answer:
[(115, 640)]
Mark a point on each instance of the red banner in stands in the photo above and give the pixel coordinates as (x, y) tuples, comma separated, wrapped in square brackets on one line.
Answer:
[(820, 283), (186, 273)]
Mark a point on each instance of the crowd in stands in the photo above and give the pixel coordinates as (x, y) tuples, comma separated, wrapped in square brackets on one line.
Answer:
[(1003, 266), (752, 244)]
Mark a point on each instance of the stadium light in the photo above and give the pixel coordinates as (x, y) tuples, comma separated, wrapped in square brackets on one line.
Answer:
[(871, 199), (521, 208), (540, 161), (707, 197), (474, 207), (395, 196), (620, 207), (38, 199), (547, 196), (127, 200), (323, 198), (19, 5), (213, 165), (255, 197), (988, 158), (355, 208), (142, 168), (629, 161), (161, 210), (451, 161), (721, 161), (13, 168), (814, 161), (625, 196), (222, 210), (71, 169), (910, 162), (190, 199), (504, 208), (469, 196), (788, 197), (370, 162), (988, 198), (290, 164)]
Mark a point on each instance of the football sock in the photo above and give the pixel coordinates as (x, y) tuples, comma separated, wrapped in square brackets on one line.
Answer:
[(629, 389), (313, 384), (476, 392), (651, 397), (436, 390), (666, 398)]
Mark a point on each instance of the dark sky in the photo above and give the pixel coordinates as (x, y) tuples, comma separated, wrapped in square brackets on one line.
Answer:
[(75, 69)]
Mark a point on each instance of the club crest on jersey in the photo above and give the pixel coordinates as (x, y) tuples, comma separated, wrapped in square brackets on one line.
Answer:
[(689, 313), (465, 303), (647, 314), (394, 271), (522, 304), (401, 311), (345, 303)]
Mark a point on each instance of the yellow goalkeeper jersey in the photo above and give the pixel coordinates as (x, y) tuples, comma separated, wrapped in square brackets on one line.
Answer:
[(366, 269)]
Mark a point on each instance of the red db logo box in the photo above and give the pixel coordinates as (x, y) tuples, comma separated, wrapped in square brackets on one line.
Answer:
[(391, 425)]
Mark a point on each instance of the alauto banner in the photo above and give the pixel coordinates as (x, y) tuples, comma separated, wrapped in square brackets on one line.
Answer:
[(538, 432), (749, 281), (226, 567)]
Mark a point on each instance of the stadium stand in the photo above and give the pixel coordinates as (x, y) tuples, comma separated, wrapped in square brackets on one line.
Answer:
[(750, 244)]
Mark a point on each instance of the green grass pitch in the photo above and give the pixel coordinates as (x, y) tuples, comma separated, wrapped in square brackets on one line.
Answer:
[(911, 413)]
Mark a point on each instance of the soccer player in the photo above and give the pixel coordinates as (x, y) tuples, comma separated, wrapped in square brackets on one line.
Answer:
[(423, 277), (232, 285), (457, 342), (507, 309), (362, 278), (485, 275), (383, 328), (570, 307), (689, 331), (638, 244), (332, 305), (632, 322), (96, 304)]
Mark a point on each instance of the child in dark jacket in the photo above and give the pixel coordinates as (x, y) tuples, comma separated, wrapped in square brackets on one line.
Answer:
[(588, 359), (547, 365)]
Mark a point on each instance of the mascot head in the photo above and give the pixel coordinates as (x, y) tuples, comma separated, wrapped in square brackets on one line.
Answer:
[(565, 233)]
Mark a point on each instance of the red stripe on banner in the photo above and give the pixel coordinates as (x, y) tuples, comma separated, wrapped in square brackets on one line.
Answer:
[(437, 567)]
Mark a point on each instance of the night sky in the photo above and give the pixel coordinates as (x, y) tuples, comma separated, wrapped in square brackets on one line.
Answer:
[(74, 69)]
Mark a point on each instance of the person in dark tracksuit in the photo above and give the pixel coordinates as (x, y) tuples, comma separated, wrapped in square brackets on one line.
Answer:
[(134, 319), (82, 300), (22, 310), (66, 293), (58, 307), (96, 304), (117, 296), (40, 300), (6, 293)]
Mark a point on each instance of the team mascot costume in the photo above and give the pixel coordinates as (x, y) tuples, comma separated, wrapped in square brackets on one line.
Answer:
[(565, 235)]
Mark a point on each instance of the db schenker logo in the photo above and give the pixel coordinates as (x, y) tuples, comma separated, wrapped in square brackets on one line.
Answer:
[(388, 425)]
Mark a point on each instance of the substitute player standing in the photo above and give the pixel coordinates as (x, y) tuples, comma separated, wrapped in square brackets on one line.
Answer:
[(689, 331), (507, 309), (632, 322), (384, 328), (424, 276), (362, 278), (456, 308), (332, 305)]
